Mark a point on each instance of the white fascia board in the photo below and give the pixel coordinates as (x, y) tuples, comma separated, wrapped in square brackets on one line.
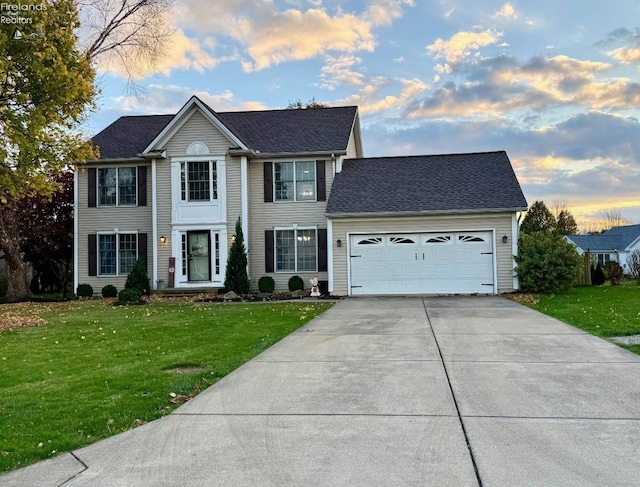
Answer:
[(179, 119), (419, 213)]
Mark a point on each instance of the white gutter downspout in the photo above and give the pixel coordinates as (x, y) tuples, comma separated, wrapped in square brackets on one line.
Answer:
[(330, 254), (154, 223), (514, 250), (75, 230)]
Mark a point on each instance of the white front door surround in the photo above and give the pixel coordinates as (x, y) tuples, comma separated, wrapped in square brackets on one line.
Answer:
[(448, 262)]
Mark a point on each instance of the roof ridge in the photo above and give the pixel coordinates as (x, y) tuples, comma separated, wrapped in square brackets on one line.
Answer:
[(422, 156)]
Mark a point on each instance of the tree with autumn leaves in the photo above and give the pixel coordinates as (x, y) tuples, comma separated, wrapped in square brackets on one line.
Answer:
[(47, 88)]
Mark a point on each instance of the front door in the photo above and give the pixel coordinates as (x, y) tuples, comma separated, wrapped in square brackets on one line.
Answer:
[(199, 256)]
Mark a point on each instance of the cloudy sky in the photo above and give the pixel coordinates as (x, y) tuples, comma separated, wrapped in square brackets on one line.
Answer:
[(555, 83)]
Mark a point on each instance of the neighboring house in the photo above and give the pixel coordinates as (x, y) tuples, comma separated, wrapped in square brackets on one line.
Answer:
[(613, 245), (169, 189)]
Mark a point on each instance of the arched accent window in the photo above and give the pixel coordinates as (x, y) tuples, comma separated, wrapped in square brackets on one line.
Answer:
[(370, 241), (400, 240), (197, 149)]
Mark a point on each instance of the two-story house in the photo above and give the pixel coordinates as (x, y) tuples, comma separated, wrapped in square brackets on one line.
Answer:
[(168, 189)]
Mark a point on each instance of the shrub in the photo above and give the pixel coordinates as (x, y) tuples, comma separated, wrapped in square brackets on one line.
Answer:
[(613, 272), (236, 278), (598, 276), (633, 261), (84, 291), (138, 278), (546, 263), (266, 284), (295, 283), (109, 291), (129, 295)]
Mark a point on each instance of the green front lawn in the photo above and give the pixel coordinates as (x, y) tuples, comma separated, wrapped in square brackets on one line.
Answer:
[(94, 370), (605, 311)]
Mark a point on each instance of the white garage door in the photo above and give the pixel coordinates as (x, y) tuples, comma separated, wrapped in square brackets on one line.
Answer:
[(424, 263)]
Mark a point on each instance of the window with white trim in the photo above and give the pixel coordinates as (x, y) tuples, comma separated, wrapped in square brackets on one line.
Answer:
[(294, 181), (296, 250), (117, 186), (117, 252), (198, 181)]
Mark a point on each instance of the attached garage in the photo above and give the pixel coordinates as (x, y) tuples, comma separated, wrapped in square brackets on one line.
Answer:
[(424, 263), (443, 224)]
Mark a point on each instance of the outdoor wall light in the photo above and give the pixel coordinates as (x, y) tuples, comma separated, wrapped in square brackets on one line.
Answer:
[(339, 242), (163, 239), (233, 238), (505, 239)]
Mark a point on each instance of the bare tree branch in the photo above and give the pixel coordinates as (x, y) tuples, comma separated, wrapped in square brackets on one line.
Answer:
[(129, 36)]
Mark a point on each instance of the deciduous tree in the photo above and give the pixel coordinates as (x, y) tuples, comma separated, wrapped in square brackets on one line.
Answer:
[(46, 86)]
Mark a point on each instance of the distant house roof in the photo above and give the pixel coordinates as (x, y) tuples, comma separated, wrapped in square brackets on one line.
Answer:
[(426, 184), (618, 238), (270, 131)]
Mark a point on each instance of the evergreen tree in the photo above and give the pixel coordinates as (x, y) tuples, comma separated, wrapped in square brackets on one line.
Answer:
[(538, 219), (236, 278), (566, 224)]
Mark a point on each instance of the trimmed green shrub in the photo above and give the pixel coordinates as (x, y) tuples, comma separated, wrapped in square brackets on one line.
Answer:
[(84, 291), (613, 272), (597, 278), (138, 278), (295, 283), (546, 263), (266, 284), (236, 278), (109, 291), (129, 295)]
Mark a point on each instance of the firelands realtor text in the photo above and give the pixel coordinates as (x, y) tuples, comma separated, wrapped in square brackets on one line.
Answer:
[(17, 13)]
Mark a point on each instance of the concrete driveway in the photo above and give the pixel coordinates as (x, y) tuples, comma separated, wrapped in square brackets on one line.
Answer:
[(453, 391)]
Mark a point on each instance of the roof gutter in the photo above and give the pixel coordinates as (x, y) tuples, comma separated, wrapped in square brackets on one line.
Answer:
[(283, 155), (154, 154), (115, 159), (383, 214)]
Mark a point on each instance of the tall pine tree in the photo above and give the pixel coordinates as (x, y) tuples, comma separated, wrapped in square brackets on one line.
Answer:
[(236, 278)]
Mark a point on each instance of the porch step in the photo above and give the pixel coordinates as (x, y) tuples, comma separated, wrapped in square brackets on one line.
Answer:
[(185, 292)]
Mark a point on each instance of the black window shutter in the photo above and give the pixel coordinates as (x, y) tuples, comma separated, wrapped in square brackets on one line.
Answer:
[(321, 183), (142, 186), (268, 251), (93, 254), (93, 191), (268, 182), (142, 247), (322, 250)]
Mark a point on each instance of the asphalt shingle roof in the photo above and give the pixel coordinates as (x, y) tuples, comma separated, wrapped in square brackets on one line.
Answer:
[(617, 238), (129, 136), (437, 183), (268, 131), (296, 131)]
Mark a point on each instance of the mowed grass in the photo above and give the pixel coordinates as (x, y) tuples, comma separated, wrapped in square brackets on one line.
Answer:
[(95, 370), (605, 311)]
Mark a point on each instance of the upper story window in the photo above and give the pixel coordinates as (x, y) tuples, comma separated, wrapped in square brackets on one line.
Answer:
[(294, 181), (117, 186), (198, 181)]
